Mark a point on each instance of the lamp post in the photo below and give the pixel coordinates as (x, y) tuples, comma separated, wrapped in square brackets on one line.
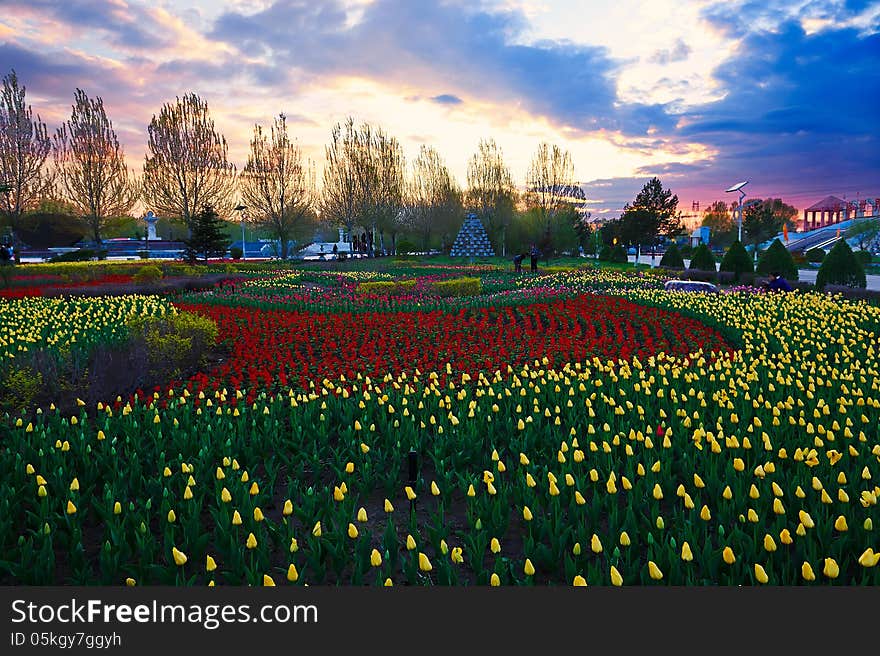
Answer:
[(240, 209), (739, 187)]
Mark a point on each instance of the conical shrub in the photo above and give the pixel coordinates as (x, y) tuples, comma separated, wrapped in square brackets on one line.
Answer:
[(777, 259), (672, 258), (702, 259), (737, 261), (841, 267)]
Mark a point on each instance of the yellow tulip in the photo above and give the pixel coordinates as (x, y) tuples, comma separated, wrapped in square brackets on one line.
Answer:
[(686, 553), (760, 574), (579, 581), (71, 509), (375, 558), (616, 578), (316, 530), (807, 572), (494, 580), (528, 568), (654, 571), (595, 544), (831, 569), (410, 543), (495, 546), (179, 557), (869, 558), (410, 494), (292, 573), (236, 518), (288, 508), (527, 514), (210, 563), (840, 524), (388, 507), (728, 556), (624, 539), (251, 541)]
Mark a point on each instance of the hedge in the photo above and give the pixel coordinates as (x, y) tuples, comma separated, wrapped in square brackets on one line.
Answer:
[(458, 287)]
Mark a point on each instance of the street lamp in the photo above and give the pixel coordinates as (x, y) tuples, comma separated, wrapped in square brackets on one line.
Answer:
[(240, 209), (738, 187)]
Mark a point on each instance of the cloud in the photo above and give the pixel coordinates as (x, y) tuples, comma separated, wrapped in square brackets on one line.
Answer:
[(471, 51), (447, 99), (679, 52)]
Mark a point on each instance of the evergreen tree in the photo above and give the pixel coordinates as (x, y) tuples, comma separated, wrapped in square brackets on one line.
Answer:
[(737, 260), (672, 258), (702, 259), (777, 259), (841, 267), (208, 236)]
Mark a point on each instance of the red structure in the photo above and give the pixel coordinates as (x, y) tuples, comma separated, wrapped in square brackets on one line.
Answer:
[(831, 210)]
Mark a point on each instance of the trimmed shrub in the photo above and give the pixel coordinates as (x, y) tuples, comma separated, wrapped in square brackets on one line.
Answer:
[(864, 257), (841, 267), (458, 287), (558, 269), (778, 259), (737, 261), (236, 252), (404, 246), (173, 343), (386, 287), (672, 258), (81, 255), (376, 287), (815, 255), (702, 259), (146, 274), (615, 254)]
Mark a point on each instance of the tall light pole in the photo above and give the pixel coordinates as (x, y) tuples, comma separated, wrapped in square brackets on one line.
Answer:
[(739, 187), (240, 209)]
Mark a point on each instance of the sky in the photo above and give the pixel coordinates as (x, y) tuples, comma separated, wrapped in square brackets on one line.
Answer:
[(701, 93)]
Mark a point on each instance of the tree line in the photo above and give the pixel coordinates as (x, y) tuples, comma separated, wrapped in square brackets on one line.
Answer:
[(367, 185)]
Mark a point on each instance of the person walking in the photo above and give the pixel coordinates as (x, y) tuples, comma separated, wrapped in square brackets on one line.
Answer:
[(534, 254)]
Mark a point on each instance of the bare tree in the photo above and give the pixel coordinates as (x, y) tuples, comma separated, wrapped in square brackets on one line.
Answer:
[(491, 193), (90, 165), (187, 167), (550, 185), (363, 179), (341, 201), (387, 187), (433, 199), (24, 147), (275, 184)]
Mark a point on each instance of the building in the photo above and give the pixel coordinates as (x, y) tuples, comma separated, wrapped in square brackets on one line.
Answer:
[(831, 210)]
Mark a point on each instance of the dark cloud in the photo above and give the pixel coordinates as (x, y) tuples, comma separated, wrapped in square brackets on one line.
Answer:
[(798, 107), (447, 99), (679, 52)]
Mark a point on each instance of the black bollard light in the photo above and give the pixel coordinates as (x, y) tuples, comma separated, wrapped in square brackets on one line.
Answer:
[(413, 466)]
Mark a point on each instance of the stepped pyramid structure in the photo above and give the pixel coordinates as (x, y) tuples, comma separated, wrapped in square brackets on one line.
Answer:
[(472, 240)]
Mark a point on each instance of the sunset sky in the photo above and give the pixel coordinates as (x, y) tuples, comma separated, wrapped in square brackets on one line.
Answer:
[(703, 94)]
